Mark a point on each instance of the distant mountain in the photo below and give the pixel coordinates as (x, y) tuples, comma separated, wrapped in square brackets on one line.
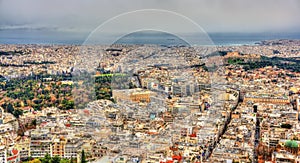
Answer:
[(152, 37), (286, 42)]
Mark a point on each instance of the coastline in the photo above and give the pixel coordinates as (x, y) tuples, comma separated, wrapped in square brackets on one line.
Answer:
[(24, 37)]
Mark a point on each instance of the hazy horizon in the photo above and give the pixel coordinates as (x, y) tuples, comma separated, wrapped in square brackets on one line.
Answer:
[(60, 37)]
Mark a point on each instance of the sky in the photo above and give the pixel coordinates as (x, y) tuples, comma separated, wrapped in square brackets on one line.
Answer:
[(211, 15)]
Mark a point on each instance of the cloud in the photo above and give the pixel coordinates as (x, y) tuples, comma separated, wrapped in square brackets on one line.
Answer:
[(212, 15)]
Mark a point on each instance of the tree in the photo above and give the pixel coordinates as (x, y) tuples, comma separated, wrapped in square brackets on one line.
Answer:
[(83, 159), (33, 122), (72, 159), (10, 108), (17, 113), (65, 161), (35, 161), (55, 159), (46, 159)]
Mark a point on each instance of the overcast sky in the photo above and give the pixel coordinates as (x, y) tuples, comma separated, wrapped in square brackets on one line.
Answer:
[(211, 15)]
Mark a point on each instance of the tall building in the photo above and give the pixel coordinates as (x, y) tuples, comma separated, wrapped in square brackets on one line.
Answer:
[(187, 89), (176, 90), (24, 148), (40, 143), (71, 147), (58, 147)]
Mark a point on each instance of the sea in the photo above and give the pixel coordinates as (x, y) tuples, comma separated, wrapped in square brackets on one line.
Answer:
[(25, 36)]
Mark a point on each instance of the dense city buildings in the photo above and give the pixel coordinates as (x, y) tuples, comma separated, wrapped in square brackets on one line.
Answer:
[(150, 103)]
